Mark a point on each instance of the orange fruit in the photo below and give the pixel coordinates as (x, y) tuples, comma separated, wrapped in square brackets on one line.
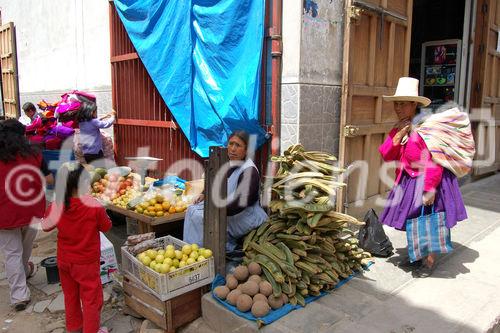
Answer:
[(158, 207), (171, 210), (166, 205), (159, 214), (151, 208), (179, 209)]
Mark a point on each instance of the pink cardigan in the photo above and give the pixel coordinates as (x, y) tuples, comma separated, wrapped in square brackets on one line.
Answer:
[(414, 158)]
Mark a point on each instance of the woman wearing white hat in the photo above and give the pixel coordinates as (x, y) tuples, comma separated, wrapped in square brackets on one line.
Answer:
[(431, 154)]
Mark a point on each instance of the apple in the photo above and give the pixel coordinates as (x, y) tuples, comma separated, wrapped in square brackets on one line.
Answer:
[(207, 253), (159, 258), (164, 268), (178, 254), (170, 253)]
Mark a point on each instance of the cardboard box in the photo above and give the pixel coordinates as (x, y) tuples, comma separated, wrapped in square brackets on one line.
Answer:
[(109, 263)]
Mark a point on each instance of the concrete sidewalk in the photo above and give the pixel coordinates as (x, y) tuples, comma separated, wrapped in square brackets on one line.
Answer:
[(463, 295)]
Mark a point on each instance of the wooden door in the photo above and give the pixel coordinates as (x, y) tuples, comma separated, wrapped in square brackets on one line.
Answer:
[(486, 86), (10, 86), (376, 53)]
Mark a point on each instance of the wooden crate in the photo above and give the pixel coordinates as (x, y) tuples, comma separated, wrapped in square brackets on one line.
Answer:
[(168, 315)]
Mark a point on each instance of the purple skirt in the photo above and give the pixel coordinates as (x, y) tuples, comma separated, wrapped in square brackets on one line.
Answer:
[(405, 201)]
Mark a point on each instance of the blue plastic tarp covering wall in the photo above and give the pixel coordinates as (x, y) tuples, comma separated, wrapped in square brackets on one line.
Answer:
[(204, 57)]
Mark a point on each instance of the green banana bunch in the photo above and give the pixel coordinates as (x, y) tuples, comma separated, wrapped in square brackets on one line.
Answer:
[(305, 248)]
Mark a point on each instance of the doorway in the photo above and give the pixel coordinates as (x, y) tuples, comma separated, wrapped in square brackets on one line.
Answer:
[(439, 57)]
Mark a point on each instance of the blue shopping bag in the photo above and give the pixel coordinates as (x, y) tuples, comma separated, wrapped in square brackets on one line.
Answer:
[(427, 234)]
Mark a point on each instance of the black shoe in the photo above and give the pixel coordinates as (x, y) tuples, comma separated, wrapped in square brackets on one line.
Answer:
[(21, 306)]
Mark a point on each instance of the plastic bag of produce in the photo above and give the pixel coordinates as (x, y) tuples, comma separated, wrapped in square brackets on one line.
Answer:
[(372, 237)]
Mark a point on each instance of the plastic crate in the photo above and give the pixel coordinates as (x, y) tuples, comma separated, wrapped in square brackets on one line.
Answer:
[(167, 286)]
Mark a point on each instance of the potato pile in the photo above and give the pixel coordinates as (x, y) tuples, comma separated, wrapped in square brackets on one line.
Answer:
[(249, 291)]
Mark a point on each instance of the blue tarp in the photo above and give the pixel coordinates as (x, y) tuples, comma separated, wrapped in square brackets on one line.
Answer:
[(274, 315), (204, 57)]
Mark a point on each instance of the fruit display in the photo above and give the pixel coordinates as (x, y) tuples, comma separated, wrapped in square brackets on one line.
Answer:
[(113, 187), (120, 187), (166, 265), (160, 205), (305, 247), (169, 259), (248, 290)]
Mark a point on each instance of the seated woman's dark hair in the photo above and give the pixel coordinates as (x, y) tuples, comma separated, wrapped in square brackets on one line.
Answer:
[(75, 175), (87, 109), (13, 142), (28, 106), (242, 135)]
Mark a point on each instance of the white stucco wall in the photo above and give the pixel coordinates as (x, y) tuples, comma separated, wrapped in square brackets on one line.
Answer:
[(61, 44), (291, 36)]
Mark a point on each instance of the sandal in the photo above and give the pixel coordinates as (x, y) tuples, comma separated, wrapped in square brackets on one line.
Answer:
[(32, 270), (425, 271), (21, 306)]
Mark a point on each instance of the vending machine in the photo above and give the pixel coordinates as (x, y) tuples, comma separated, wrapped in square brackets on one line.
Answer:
[(440, 71)]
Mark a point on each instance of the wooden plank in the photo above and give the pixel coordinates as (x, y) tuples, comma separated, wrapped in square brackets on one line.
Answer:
[(370, 129), (491, 100), (390, 55), (125, 57), (145, 311), (409, 10), (186, 308), (389, 15), (372, 48), (378, 110), (493, 79), (146, 219), (360, 90), (366, 156), (169, 314), (215, 218), (147, 123), (479, 55), (498, 77), (8, 63), (344, 109)]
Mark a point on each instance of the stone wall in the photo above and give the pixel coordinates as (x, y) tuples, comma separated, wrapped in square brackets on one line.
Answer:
[(312, 74)]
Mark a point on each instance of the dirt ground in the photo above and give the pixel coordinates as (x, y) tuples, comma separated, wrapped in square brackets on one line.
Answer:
[(30, 321)]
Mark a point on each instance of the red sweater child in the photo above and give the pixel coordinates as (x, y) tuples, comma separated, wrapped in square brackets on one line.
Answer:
[(78, 255)]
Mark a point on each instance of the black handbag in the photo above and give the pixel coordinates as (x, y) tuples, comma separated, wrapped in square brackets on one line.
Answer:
[(372, 237)]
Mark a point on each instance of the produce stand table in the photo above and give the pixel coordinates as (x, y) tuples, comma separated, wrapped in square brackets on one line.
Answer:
[(146, 223)]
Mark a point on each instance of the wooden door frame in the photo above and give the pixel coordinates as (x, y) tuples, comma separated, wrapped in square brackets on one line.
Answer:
[(481, 96), (346, 99), (14, 71)]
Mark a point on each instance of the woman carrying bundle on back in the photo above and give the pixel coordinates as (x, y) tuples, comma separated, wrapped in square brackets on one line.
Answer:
[(430, 154)]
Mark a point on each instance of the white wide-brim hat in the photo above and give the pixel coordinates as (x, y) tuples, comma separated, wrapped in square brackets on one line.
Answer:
[(407, 91)]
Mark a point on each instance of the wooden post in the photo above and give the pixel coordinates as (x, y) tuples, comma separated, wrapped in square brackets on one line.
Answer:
[(215, 218)]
